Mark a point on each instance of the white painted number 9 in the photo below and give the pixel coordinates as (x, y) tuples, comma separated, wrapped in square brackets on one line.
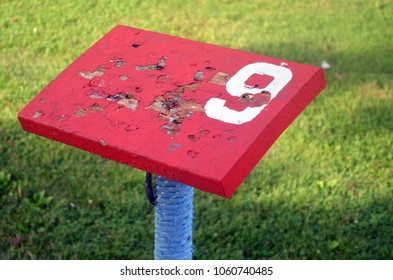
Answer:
[(236, 86)]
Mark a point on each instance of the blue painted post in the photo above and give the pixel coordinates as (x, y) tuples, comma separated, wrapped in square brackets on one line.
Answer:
[(173, 220)]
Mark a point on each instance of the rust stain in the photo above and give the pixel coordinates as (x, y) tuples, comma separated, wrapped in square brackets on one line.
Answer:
[(220, 78), (174, 109)]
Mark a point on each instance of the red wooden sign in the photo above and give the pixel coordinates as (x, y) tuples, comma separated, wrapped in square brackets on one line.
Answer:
[(196, 113)]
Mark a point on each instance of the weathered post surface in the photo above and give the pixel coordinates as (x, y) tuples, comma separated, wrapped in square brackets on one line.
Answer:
[(193, 113)]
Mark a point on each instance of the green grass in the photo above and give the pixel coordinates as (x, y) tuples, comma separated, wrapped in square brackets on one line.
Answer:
[(323, 191)]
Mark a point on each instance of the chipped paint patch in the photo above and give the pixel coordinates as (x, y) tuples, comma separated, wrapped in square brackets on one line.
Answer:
[(38, 114), (90, 75), (130, 103), (220, 78), (123, 78), (119, 63), (124, 99), (159, 66), (96, 108), (174, 109), (95, 95), (198, 76), (102, 142), (81, 112), (116, 96), (255, 100)]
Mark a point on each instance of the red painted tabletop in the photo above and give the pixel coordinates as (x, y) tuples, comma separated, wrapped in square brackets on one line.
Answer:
[(192, 112)]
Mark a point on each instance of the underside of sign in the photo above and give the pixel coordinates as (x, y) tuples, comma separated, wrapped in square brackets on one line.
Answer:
[(195, 113)]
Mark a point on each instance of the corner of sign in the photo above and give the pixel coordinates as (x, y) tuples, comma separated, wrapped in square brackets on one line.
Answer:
[(119, 27), (122, 26), (23, 121), (21, 116), (320, 75), (225, 192), (229, 184)]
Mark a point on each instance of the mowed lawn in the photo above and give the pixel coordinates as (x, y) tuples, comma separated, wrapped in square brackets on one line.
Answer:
[(323, 191)]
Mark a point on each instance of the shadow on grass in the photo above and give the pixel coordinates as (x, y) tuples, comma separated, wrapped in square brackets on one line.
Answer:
[(373, 117), (295, 230), (57, 202)]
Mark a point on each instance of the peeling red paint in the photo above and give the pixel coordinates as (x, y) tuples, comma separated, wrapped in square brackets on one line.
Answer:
[(90, 75), (37, 114), (159, 66), (119, 63), (220, 78), (174, 109), (80, 112), (255, 100), (133, 99), (198, 76), (96, 108)]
